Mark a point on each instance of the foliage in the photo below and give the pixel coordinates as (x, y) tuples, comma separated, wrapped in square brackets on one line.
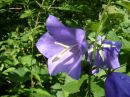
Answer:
[(23, 71)]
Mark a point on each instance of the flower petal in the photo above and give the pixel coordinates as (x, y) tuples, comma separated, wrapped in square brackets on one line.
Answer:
[(63, 34), (84, 47), (117, 85), (59, 31), (80, 35), (108, 57), (111, 58), (112, 44), (46, 45), (69, 63)]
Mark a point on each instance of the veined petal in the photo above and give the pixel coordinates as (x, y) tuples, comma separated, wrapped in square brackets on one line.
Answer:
[(117, 85), (59, 31), (111, 58), (46, 45), (69, 63), (63, 34), (97, 58), (107, 56), (111, 44)]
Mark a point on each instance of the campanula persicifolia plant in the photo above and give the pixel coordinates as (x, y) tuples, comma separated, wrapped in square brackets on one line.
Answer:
[(64, 48)]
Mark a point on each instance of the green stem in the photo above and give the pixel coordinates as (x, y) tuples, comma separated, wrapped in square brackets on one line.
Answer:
[(100, 26)]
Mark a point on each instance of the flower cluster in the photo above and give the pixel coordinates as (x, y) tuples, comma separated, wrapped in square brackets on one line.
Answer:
[(106, 55), (64, 47)]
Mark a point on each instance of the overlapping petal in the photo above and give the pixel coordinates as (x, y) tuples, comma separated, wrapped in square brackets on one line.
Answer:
[(63, 46), (46, 45), (62, 33), (111, 58), (117, 85), (107, 55), (69, 63)]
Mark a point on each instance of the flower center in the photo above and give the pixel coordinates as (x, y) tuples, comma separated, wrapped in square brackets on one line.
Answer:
[(66, 49)]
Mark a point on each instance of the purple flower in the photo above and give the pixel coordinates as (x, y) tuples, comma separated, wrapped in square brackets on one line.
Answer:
[(63, 46), (106, 55), (117, 85)]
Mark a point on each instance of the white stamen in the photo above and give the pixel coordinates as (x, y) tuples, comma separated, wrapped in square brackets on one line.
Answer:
[(107, 45), (61, 44), (63, 52)]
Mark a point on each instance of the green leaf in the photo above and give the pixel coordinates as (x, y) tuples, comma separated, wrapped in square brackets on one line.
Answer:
[(21, 71), (112, 36), (57, 90), (5, 2), (8, 70), (97, 86), (27, 60), (37, 92), (125, 4), (19, 75), (36, 76), (126, 45), (27, 13), (73, 86), (121, 69)]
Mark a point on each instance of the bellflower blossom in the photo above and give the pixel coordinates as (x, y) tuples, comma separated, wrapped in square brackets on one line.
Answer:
[(117, 85), (63, 46), (106, 55)]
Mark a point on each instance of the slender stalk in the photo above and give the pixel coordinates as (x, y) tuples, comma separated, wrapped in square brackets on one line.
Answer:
[(32, 45), (100, 26)]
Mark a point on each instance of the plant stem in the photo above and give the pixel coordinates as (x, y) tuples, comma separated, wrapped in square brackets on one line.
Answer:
[(100, 27)]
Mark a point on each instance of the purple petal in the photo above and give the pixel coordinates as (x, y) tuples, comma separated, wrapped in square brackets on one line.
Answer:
[(59, 31), (116, 45), (62, 33), (46, 45), (97, 59), (69, 63), (84, 47), (90, 51), (117, 85), (111, 58), (99, 39), (110, 51), (79, 35)]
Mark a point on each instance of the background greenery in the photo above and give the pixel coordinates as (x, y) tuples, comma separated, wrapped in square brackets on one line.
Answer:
[(23, 70)]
